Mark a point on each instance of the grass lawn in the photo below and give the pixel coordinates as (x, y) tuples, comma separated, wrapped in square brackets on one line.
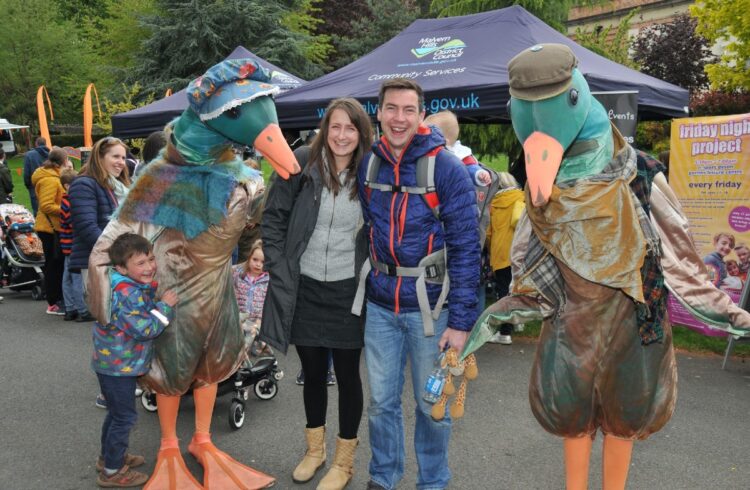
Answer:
[(20, 194), (683, 338)]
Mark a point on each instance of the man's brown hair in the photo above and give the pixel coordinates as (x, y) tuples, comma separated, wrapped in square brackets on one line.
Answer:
[(401, 84)]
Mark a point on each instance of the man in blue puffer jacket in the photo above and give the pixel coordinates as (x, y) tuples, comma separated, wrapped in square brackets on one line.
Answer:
[(403, 231)]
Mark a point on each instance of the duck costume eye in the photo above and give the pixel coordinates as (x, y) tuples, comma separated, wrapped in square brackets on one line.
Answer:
[(233, 113), (573, 96)]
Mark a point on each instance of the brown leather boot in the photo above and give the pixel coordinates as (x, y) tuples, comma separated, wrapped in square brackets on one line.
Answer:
[(315, 456), (342, 468)]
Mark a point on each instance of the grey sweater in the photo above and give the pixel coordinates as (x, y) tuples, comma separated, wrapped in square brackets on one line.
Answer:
[(329, 255)]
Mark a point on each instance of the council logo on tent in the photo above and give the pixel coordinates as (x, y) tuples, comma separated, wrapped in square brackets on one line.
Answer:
[(441, 48)]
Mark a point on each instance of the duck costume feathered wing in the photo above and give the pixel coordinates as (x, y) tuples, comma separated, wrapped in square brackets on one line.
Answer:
[(193, 203), (602, 241)]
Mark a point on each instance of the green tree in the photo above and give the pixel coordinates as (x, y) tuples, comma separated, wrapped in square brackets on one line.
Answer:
[(553, 12), (118, 37), (612, 42), (726, 21), (367, 33), (674, 53), (36, 48), (192, 35), (305, 21)]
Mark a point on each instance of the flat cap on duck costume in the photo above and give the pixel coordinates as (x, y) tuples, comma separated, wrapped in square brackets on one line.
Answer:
[(542, 71)]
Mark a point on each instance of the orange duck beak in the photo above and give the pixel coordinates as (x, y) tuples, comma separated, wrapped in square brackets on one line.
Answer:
[(543, 157), (274, 148)]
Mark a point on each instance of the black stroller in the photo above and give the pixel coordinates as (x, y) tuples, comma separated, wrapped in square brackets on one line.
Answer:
[(21, 253), (263, 374)]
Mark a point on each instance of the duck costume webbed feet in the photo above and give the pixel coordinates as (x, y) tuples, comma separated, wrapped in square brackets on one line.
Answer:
[(170, 470), (221, 471)]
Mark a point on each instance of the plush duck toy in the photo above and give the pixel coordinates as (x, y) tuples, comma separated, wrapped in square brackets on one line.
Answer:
[(192, 204), (602, 240)]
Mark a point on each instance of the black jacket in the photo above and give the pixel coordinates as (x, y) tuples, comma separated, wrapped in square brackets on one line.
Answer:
[(6, 184), (289, 218)]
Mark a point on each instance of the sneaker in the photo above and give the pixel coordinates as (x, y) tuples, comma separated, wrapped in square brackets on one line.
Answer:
[(300, 378), (331, 378), (498, 338), (86, 317), (70, 316), (55, 310), (371, 485), (100, 402), (124, 478), (131, 460)]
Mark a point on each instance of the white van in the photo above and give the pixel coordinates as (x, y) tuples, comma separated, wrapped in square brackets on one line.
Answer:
[(6, 136)]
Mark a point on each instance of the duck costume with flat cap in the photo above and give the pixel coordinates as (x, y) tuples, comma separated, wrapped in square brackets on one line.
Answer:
[(192, 203), (602, 241)]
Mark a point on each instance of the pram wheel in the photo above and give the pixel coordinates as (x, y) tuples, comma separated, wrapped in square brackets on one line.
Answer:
[(265, 389), (236, 414), (37, 294), (148, 400)]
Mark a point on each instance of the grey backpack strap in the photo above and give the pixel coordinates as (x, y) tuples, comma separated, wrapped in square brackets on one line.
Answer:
[(359, 296), (426, 180)]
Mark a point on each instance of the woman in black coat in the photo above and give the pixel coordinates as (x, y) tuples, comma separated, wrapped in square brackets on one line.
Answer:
[(310, 227)]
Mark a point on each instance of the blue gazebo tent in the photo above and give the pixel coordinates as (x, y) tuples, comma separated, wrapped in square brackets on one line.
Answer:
[(461, 63)]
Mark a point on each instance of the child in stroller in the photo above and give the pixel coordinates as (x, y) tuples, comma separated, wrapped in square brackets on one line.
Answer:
[(261, 370), (21, 253)]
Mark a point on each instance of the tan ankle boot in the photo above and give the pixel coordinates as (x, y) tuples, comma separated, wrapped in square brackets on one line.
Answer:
[(315, 456), (342, 468)]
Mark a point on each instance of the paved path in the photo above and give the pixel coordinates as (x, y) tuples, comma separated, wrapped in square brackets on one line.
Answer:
[(49, 426)]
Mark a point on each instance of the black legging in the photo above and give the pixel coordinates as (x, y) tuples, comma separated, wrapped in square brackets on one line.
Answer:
[(54, 266), (315, 391), (503, 277)]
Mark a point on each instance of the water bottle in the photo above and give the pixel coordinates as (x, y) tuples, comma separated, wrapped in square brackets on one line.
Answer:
[(433, 388)]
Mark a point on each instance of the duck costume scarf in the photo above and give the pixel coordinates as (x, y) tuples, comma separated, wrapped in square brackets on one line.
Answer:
[(192, 204)]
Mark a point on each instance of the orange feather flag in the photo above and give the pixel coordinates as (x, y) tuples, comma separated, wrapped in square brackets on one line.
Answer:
[(88, 115), (43, 129)]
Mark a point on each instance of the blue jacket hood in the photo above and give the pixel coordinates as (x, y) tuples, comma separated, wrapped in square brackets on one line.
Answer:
[(118, 278)]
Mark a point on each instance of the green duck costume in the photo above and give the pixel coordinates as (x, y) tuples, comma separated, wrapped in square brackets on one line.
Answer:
[(192, 204), (602, 241)]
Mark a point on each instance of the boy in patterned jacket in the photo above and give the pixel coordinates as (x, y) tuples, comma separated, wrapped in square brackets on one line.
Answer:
[(123, 351)]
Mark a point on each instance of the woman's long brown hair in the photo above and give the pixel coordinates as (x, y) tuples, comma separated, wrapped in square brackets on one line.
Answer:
[(94, 167), (361, 121)]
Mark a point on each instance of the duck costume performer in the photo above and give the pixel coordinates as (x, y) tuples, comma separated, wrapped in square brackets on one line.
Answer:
[(192, 203), (602, 241)]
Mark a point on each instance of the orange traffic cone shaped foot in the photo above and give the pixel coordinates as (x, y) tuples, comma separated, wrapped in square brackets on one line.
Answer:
[(170, 472), (221, 471)]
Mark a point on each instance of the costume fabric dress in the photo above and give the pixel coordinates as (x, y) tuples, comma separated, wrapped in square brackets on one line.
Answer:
[(205, 342), (605, 358)]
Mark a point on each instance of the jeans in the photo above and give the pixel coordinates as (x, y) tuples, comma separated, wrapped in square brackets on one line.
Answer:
[(72, 287), (121, 417), (389, 339)]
